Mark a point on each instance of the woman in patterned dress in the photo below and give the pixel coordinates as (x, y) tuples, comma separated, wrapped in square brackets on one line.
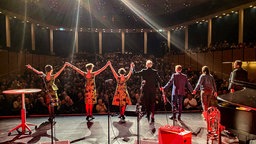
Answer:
[(90, 86), (52, 99), (121, 96)]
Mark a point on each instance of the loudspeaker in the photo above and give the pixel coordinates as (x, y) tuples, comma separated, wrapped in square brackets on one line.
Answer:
[(130, 110), (174, 135), (56, 142)]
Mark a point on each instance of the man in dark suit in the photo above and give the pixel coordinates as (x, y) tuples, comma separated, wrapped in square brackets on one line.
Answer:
[(237, 75), (151, 80), (179, 83)]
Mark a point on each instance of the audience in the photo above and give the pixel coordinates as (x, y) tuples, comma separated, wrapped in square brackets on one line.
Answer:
[(66, 105)]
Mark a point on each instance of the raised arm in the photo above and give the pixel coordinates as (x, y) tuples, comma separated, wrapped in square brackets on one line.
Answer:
[(102, 69), (34, 70), (113, 71), (131, 70), (75, 68), (59, 72)]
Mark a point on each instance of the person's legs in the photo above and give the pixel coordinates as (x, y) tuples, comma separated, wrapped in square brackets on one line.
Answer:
[(205, 102), (90, 110), (87, 111), (180, 101), (122, 111), (174, 106), (153, 112), (146, 103)]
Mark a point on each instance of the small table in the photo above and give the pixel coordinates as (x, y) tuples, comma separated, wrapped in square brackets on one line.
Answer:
[(23, 124)]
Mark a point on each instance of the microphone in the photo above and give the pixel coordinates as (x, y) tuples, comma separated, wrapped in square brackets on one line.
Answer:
[(108, 80)]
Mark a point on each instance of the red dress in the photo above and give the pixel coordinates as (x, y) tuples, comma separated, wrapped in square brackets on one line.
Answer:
[(90, 89), (121, 96)]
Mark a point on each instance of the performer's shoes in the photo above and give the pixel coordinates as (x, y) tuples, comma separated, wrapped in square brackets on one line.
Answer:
[(87, 118), (148, 116), (92, 117), (50, 120), (179, 118), (122, 118), (171, 117)]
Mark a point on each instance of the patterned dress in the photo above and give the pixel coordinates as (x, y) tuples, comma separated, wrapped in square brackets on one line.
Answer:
[(121, 96), (51, 95), (90, 90)]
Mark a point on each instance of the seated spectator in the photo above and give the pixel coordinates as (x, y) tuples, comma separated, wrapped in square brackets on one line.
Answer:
[(3, 103), (137, 98), (40, 105), (190, 102), (66, 104), (28, 105), (16, 105), (101, 107), (79, 103)]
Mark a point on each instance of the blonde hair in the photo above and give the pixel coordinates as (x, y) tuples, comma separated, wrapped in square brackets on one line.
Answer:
[(178, 68), (149, 63), (121, 71), (48, 68), (89, 66)]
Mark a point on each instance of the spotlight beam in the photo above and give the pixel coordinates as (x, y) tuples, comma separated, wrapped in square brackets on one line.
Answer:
[(137, 10), (76, 30)]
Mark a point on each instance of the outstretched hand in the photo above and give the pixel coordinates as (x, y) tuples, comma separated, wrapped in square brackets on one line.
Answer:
[(67, 64), (132, 65), (28, 66), (109, 63)]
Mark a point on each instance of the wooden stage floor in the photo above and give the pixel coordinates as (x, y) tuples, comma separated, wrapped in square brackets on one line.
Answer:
[(77, 130)]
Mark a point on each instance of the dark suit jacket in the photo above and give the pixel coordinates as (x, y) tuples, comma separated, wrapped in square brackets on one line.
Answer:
[(179, 83), (235, 76), (151, 77)]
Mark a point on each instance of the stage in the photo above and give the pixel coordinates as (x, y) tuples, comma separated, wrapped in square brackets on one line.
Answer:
[(75, 129)]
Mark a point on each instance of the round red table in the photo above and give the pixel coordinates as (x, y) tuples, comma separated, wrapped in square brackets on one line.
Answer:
[(23, 123)]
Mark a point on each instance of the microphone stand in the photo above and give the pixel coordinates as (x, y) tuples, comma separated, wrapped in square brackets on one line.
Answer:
[(171, 103), (173, 112), (108, 113), (138, 111), (51, 120), (51, 112)]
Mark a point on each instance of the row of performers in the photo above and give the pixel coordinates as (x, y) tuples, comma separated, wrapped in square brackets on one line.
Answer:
[(151, 79)]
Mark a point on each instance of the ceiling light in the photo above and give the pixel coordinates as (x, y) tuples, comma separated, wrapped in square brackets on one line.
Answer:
[(61, 29)]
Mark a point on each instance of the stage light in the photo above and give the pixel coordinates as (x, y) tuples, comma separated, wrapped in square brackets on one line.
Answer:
[(61, 29)]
